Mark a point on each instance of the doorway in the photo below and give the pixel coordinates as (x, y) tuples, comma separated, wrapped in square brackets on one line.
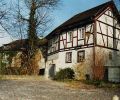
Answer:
[(52, 70)]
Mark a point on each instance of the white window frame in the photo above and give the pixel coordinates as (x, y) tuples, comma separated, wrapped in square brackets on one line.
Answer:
[(69, 36), (81, 33)]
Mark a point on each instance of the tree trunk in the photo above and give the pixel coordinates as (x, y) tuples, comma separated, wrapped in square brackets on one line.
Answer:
[(32, 41)]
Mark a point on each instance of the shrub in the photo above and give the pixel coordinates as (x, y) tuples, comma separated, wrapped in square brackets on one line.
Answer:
[(64, 74), (12, 71)]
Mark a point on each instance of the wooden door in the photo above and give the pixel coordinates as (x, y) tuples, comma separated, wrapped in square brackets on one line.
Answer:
[(52, 70)]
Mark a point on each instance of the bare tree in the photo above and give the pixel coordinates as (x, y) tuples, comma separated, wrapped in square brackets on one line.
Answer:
[(28, 19), (3, 13), (37, 20)]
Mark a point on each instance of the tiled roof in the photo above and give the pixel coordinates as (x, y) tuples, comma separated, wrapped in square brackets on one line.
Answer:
[(83, 17)]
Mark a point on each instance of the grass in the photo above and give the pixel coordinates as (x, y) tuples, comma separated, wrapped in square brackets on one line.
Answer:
[(20, 77), (102, 84), (90, 84), (79, 85)]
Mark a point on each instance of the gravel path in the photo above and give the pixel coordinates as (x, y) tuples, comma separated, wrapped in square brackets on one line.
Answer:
[(49, 90)]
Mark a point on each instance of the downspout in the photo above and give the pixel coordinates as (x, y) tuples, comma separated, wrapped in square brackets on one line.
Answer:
[(46, 57), (94, 44)]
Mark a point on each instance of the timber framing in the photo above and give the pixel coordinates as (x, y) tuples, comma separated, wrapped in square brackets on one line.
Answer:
[(108, 24), (65, 42), (90, 17)]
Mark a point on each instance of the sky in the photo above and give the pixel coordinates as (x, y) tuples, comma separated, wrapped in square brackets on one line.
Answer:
[(4, 37), (69, 8), (65, 10)]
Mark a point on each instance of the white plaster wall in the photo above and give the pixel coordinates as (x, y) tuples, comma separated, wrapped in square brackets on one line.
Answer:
[(53, 44), (86, 66), (102, 39), (41, 63), (106, 19), (118, 36), (115, 61), (75, 37), (116, 54), (60, 61), (113, 65)]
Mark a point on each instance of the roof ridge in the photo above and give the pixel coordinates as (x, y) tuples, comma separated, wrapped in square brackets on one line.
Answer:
[(87, 14), (91, 9)]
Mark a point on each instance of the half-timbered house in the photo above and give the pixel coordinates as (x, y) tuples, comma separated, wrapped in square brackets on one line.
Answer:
[(88, 40)]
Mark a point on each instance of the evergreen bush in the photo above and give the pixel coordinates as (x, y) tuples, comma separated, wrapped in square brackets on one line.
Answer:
[(65, 74)]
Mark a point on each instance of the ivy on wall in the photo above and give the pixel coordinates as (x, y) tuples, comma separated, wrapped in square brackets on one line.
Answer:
[(6, 59)]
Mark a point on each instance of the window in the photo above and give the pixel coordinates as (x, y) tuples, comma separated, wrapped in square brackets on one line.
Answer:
[(70, 33), (81, 33), (80, 56), (68, 57)]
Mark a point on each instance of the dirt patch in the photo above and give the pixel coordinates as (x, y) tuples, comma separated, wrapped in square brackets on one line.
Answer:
[(32, 89), (79, 85)]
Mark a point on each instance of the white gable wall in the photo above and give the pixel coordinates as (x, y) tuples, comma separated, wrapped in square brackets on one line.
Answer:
[(105, 32), (108, 42)]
